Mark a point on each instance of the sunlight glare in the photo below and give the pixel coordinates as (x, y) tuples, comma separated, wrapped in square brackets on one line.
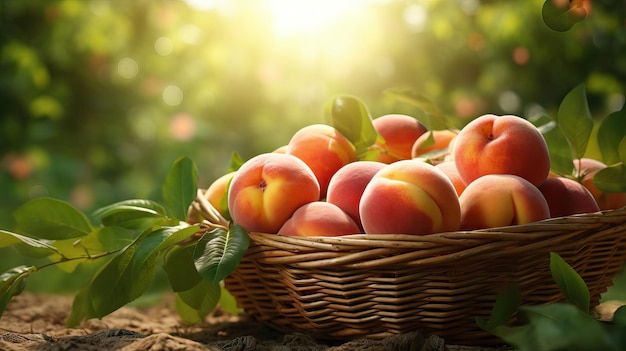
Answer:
[(298, 17)]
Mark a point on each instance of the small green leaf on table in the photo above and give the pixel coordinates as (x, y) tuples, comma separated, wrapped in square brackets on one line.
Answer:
[(12, 283)]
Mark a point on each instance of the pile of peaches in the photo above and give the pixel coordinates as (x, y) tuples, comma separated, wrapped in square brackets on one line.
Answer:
[(494, 172)]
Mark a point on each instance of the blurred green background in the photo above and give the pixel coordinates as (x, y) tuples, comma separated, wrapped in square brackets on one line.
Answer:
[(99, 97)]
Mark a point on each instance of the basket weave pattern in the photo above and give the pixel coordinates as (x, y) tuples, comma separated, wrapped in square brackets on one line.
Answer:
[(376, 286)]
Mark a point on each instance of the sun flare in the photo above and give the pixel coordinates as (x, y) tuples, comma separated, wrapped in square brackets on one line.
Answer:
[(307, 16)]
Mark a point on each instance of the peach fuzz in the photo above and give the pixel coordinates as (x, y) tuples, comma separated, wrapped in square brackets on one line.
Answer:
[(346, 186), (267, 189), (324, 149), (567, 197), (399, 133), (440, 141), (498, 200), (588, 167), (449, 169), (319, 219), (409, 197), (507, 144)]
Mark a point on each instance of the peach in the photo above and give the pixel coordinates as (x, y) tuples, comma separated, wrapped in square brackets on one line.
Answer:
[(567, 197), (268, 188), (409, 197), (319, 219), (449, 169), (399, 133), (217, 192), (507, 144), (324, 149), (587, 168), (440, 141), (346, 186), (497, 200)]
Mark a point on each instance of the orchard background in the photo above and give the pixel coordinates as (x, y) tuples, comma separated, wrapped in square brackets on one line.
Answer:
[(100, 97)]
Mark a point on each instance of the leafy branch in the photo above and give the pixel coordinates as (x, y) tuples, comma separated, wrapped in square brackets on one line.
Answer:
[(130, 241)]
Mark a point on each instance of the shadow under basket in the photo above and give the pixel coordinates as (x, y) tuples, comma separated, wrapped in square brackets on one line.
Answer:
[(375, 286)]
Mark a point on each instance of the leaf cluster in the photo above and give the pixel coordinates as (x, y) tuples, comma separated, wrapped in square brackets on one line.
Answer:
[(129, 242), (557, 326), (569, 133)]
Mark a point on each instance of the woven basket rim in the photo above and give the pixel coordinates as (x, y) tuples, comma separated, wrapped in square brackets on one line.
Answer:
[(521, 232)]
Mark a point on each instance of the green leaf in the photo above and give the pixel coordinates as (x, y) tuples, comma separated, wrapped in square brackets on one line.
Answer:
[(180, 187), (235, 162), (555, 326), (99, 241), (219, 252), (432, 117), (52, 219), (611, 137), (131, 217), (505, 307), (561, 18), (619, 317), (575, 121), (180, 269), (105, 239), (228, 302), (130, 273), (12, 283), (82, 309), (561, 160), (570, 283), (36, 248), (350, 117), (193, 305), (611, 179)]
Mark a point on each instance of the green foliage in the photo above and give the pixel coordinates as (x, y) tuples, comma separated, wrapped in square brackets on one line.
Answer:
[(557, 326), (132, 239), (350, 117), (568, 136), (180, 187), (219, 251), (51, 219), (575, 121), (570, 283)]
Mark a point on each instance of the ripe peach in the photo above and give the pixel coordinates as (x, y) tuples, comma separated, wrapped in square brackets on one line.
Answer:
[(268, 188), (449, 169), (347, 185), (606, 201), (493, 144), (399, 133), (497, 200), (409, 197), (441, 138), (566, 197), (218, 190), (324, 149), (319, 219)]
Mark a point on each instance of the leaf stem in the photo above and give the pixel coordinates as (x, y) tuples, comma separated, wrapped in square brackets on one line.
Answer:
[(85, 257)]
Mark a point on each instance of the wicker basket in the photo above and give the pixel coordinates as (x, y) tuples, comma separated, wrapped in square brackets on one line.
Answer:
[(375, 286)]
